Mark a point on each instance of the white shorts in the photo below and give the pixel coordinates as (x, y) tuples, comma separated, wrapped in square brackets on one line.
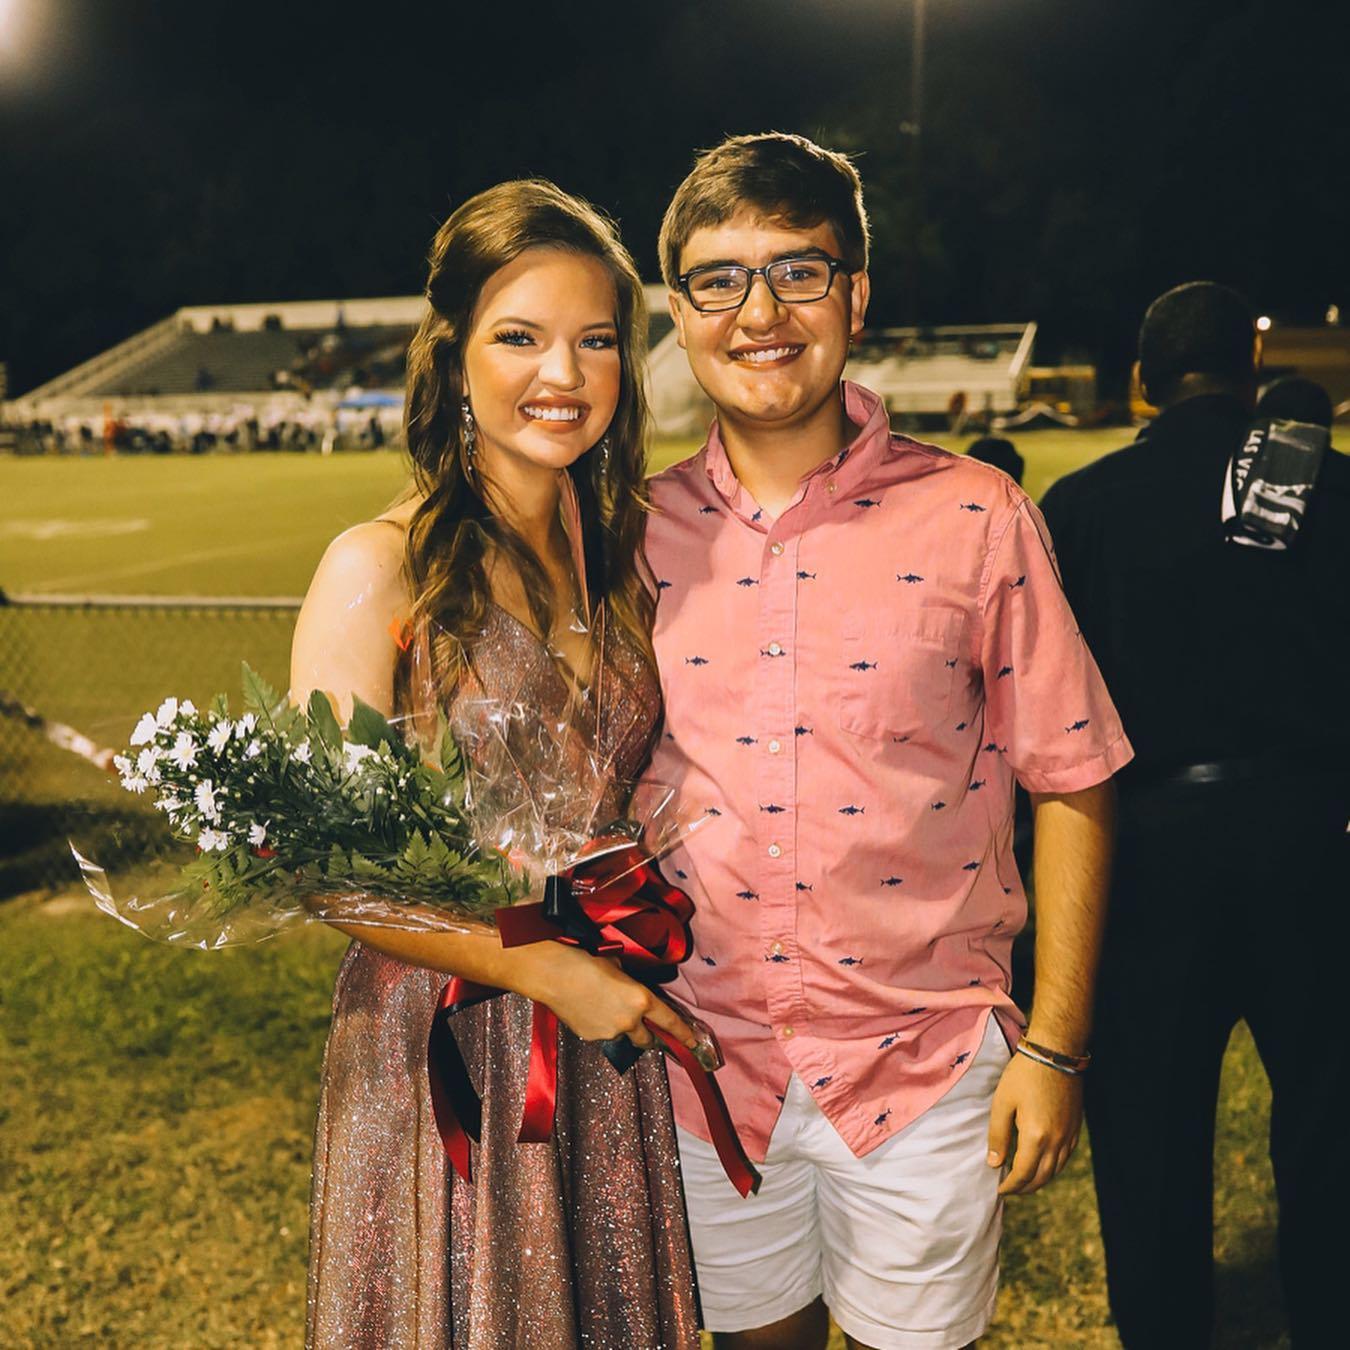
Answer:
[(903, 1243)]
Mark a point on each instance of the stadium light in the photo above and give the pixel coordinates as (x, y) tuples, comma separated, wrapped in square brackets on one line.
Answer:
[(40, 48), (9, 26), (25, 27), (1263, 324)]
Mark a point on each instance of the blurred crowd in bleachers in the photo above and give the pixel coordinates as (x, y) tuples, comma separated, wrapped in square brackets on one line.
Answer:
[(243, 428), (271, 387)]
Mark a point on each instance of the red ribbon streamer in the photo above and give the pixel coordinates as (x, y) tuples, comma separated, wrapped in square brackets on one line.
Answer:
[(541, 1093), (613, 904)]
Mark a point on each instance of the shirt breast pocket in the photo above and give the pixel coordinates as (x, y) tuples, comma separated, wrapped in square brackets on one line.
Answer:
[(900, 674)]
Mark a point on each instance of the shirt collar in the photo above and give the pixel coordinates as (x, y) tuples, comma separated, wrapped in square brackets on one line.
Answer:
[(847, 469), (1201, 411)]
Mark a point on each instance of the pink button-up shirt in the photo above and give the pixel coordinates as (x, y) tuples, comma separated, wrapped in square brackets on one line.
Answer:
[(850, 691)]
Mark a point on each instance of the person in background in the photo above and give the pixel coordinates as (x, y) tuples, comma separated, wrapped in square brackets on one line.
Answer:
[(1001, 453), (1228, 665), (1295, 399)]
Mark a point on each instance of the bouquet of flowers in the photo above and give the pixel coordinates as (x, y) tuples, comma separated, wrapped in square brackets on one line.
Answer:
[(293, 817), (282, 815)]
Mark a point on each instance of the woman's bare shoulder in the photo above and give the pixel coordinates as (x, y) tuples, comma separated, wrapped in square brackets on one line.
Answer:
[(358, 602), (367, 559), (372, 549)]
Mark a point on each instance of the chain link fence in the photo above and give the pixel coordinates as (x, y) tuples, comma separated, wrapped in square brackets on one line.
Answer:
[(95, 663)]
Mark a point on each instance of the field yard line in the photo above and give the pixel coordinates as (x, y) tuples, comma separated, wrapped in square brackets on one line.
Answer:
[(164, 565)]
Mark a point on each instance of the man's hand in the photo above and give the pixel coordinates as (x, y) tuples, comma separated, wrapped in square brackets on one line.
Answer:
[(1045, 1108)]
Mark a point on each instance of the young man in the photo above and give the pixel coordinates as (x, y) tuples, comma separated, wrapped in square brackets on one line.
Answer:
[(862, 641)]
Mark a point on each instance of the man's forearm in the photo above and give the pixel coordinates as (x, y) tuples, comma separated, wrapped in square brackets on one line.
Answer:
[(1072, 865)]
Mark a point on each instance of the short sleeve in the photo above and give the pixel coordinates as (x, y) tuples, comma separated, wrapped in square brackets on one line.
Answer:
[(1045, 700)]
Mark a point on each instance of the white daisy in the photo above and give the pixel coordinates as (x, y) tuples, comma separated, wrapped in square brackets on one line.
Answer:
[(213, 839), (168, 710), (188, 708), (302, 753), (135, 784), (145, 730), (253, 750), (219, 736), (257, 834), (122, 764), (244, 726), (355, 754), (205, 796), (148, 758), (184, 752)]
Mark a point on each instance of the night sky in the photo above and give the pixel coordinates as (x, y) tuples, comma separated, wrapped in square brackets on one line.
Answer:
[(1079, 156)]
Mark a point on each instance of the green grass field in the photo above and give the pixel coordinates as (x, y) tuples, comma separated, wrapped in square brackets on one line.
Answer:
[(155, 1135), (257, 524), (155, 1125)]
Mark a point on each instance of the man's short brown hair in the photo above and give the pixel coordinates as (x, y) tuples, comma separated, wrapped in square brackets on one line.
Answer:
[(777, 175)]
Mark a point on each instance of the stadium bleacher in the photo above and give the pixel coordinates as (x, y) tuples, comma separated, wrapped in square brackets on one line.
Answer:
[(291, 363), (942, 370), (200, 362)]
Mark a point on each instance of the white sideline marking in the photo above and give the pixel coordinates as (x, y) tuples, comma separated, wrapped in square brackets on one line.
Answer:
[(45, 530)]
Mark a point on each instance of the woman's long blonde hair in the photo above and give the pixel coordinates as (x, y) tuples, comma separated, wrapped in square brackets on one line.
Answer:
[(453, 532)]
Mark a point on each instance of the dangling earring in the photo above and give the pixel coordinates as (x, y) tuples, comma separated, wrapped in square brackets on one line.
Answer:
[(470, 436), (604, 453)]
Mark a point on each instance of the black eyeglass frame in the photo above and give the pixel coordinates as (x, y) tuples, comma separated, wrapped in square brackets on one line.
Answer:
[(836, 265)]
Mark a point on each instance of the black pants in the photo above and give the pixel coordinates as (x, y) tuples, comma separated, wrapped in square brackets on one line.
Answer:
[(1228, 904)]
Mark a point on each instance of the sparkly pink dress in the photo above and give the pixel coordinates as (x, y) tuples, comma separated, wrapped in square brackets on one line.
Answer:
[(580, 1241)]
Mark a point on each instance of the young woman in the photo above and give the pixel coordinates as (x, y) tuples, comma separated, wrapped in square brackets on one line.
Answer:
[(516, 567)]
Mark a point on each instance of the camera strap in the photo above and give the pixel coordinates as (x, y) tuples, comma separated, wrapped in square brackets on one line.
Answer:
[(1269, 481)]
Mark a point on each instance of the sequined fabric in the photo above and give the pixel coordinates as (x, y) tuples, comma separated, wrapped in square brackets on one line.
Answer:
[(580, 1241)]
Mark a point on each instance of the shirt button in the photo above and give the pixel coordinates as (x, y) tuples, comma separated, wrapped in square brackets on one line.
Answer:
[(775, 851), (775, 747), (776, 549), (775, 649), (776, 949), (787, 1031)]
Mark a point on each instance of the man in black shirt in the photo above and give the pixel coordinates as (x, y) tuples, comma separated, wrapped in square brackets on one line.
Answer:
[(1229, 666)]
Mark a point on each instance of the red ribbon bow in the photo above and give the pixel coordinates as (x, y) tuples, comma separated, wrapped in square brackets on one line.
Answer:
[(613, 904)]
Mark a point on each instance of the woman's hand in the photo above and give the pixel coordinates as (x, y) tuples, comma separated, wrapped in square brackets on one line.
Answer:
[(594, 997)]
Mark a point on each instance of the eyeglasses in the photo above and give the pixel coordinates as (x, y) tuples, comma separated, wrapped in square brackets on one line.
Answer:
[(792, 281)]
